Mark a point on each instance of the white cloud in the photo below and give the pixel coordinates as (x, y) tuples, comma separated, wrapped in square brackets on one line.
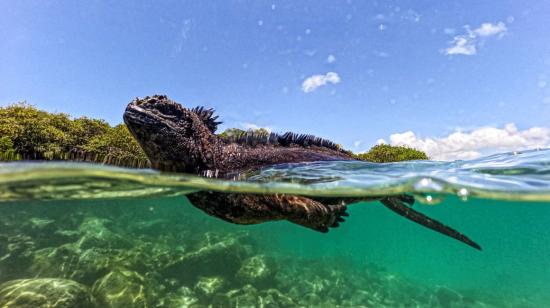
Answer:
[(462, 45), (381, 54), (357, 143), (449, 31), (476, 143), (183, 35), (310, 53), (252, 126), (313, 82), (411, 15), (466, 44), (331, 58), (489, 29)]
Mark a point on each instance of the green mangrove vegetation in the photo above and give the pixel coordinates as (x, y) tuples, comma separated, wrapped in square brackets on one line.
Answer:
[(27, 133), (384, 153), (32, 134)]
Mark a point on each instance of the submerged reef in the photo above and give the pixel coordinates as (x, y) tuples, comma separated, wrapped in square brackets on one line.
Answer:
[(146, 254)]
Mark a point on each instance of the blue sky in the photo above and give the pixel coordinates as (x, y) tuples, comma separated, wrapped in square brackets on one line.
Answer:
[(452, 74)]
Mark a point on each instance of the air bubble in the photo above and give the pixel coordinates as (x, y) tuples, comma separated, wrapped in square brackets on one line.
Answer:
[(428, 199), (463, 194), (427, 185)]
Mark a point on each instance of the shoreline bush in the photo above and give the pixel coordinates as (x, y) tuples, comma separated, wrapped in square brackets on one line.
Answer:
[(27, 133)]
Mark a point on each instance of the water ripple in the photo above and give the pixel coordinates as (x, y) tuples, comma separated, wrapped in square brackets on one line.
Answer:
[(507, 176)]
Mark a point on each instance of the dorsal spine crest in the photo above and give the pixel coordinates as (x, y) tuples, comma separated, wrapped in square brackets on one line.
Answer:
[(252, 138), (208, 118)]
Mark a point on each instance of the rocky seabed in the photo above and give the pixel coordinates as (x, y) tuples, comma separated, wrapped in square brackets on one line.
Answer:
[(109, 255)]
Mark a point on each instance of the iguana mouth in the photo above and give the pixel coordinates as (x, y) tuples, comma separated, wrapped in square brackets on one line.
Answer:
[(137, 114)]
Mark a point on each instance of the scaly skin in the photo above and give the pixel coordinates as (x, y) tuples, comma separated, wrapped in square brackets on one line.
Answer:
[(177, 139)]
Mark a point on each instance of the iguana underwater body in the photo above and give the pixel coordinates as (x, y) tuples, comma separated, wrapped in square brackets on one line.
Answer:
[(178, 139)]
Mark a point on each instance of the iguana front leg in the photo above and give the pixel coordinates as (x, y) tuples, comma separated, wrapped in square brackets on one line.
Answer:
[(253, 209), (312, 213)]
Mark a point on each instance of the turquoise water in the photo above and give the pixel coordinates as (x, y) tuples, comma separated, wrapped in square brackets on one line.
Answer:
[(123, 238)]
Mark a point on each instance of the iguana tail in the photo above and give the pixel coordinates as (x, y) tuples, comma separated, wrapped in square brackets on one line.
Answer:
[(402, 206)]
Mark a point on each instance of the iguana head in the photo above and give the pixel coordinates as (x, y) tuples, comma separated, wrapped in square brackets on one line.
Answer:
[(173, 137)]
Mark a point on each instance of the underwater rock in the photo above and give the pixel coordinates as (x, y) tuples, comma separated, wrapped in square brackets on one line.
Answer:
[(154, 227), (308, 285), (209, 238), (40, 225), (274, 298), (136, 259), (3, 244), (389, 289), (338, 286), (222, 258), (18, 255), (308, 299), (312, 285), (147, 256), (121, 288), (360, 298), (95, 262), (206, 287), (96, 234), (183, 297), (92, 264), (256, 270), (247, 296), (55, 262), (68, 261), (66, 236), (45, 292), (447, 297)]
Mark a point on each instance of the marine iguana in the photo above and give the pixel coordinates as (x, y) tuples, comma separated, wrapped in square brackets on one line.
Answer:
[(178, 139)]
